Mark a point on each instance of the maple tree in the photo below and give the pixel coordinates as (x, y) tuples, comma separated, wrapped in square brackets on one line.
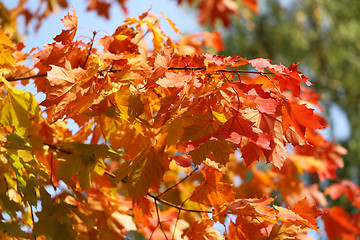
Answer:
[(171, 140)]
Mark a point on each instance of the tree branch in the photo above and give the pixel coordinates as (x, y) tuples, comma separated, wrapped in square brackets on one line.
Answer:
[(176, 184), (156, 198), (12, 79)]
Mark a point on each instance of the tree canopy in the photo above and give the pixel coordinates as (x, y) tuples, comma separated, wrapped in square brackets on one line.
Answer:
[(171, 139)]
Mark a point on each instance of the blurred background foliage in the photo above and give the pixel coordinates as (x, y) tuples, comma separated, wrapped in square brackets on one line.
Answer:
[(325, 36)]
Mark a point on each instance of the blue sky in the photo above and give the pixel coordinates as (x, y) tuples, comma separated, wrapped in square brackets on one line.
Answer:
[(89, 21)]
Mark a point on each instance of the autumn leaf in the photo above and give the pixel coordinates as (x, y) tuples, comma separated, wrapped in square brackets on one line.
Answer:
[(338, 224), (210, 10), (251, 4), (71, 23), (202, 230), (310, 213), (145, 171), (284, 231), (300, 117), (245, 229), (73, 90), (83, 160), (17, 109), (120, 42), (142, 211), (212, 191), (219, 148), (101, 7), (6, 47)]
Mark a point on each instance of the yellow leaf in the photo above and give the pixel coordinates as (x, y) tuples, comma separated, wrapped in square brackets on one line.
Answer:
[(6, 49), (16, 110)]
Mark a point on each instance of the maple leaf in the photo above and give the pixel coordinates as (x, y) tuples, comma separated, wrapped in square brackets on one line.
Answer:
[(101, 7), (300, 117), (144, 171), (338, 224), (284, 231), (235, 128), (212, 191), (202, 230), (212, 9), (142, 213), (120, 42), (17, 108), (351, 190), (71, 23), (68, 86), (161, 64), (310, 213), (83, 160), (289, 78), (245, 229), (259, 208), (219, 148), (6, 47)]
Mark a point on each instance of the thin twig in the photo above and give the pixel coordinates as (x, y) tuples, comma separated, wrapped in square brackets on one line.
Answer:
[(176, 184), (146, 33), (12, 79), (178, 217), (262, 74), (91, 46), (159, 220), (156, 198), (221, 70)]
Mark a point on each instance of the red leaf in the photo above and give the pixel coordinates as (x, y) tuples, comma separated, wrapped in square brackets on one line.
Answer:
[(338, 225), (252, 4), (300, 117), (307, 212), (235, 128), (213, 9), (101, 7)]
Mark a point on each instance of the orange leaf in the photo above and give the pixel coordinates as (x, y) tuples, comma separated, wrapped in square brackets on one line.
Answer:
[(142, 213), (202, 230), (338, 225), (71, 23), (212, 192), (213, 9)]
